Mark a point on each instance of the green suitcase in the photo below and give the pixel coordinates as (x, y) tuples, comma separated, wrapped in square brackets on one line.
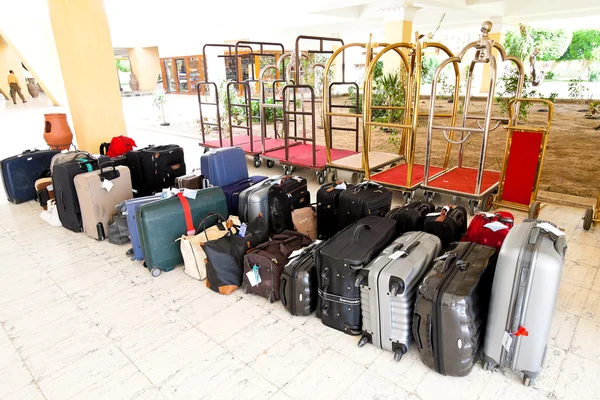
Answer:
[(161, 223)]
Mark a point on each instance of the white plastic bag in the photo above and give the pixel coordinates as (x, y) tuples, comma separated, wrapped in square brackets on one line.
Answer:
[(51, 214)]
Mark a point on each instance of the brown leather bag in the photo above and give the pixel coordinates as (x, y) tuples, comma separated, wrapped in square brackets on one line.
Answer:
[(267, 261)]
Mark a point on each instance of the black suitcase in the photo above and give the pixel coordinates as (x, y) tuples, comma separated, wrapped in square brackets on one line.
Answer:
[(338, 263), (65, 195), (299, 284), (20, 172), (291, 193), (328, 209), (452, 306), (410, 217), (364, 199), (154, 168), (449, 223)]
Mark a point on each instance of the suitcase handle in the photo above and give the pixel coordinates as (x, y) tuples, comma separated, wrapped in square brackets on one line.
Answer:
[(448, 261), (111, 174), (202, 224), (417, 324), (430, 331), (282, 290), (359, 229)]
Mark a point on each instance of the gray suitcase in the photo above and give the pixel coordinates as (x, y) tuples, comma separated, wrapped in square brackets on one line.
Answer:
[(388, 287), (255, 200), (523, 298)]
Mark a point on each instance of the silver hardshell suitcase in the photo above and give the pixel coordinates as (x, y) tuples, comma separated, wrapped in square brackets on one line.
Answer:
[(524, 295), (388, 287), (255, 200)]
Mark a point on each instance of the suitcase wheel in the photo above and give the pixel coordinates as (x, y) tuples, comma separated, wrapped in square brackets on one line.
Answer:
[(399, 352), (487, 365), (270, 163), (363, 340), (359, 279), (155, 272), (527, 381), (272, 297)]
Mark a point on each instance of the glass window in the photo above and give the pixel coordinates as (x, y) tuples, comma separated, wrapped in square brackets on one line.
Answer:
[(169, 76), (181, 74)]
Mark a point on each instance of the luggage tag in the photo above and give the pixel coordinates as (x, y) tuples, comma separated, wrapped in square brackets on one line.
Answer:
[(550, 228), (190, 194), (165, 194), (107, 184), (487, 214), (341, 186), (242, 231), (397, 254), (254, 276), (495, 226)]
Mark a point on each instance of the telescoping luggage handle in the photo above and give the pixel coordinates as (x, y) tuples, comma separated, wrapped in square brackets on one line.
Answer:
[(110, 174)]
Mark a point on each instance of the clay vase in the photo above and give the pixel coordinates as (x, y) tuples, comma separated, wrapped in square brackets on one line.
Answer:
[(32, 88), (57, 132), (133, 82)]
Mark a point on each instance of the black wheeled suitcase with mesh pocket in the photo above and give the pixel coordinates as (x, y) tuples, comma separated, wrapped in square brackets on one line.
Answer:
[(290, 193), (338, 264), (364, 199), (154, 168), (410, 217), (328, 208), (449, 223)]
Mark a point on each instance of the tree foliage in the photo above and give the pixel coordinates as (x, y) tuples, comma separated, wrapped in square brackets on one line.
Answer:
[(534, 44), (123, 65), (584, 45)]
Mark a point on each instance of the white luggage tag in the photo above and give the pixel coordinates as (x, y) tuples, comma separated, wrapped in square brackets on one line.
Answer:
[(341, 186), (434, 214), (296, 253), (107, 184), (254, 276), (495, 226), (507, 341), (550, 228), (487, 214), (397, 254), (190, 194)]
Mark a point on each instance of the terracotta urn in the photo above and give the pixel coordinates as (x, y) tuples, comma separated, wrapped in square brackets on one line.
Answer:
[(133, 82), (32, 88), (57, 132)]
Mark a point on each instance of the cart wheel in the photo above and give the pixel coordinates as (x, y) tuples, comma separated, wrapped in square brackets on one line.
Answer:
[(270, 163), (393, 165), (257, 162), (534, 210), (472, 207), (333, 177), (408, 196), (321, 178), (428, 196), (206, 149), (286, 170), (587, 219), (363, 340), (129, 252), (485, 205), (155, 272), (292, 169), (272, 298)]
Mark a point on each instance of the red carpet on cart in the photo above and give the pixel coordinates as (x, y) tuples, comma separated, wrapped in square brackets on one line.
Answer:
[(396, 176), (238, 140), (301, 155), (464, 180)]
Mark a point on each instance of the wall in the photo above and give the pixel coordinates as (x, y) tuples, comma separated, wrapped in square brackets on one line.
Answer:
[(145, 64), (32, 38)]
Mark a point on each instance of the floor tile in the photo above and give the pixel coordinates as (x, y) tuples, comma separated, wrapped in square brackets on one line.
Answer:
[(29, 392), (347, 346), (546, 379), (562, 330), (166, 360), (206, 306), (257, 337), (206, 372), (434, 385), (280, 396), (408, 373), (92, 277), (30, 302), (10, 356), (231, 320), (175, 289), (86, 372), (578, 379), (40, 317), (586, 342), (287, 358), (315, 328), (327, 377), (579, 274), (572, 298), (499, 387), (124, 384), (582, 254), (244, 384), (370, 386), (13, 378)]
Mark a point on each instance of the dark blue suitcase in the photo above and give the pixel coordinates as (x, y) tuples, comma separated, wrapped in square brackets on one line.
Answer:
[(131, 207), (232, 192), (223, 167), (19, 173)]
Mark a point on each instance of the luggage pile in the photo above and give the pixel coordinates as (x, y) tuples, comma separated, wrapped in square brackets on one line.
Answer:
[(412, 274)]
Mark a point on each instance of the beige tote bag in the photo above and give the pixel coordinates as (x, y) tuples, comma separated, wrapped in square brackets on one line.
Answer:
[(305, 221), (192, 252)]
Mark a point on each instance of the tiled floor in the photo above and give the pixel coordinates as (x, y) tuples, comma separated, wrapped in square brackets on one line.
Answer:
[(81, 321)]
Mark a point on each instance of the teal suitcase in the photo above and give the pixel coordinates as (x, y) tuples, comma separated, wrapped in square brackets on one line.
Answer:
[(161, 223)]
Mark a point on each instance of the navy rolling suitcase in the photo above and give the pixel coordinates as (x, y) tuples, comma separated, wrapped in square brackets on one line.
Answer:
[(20, 172), (223, 167), (232, 192)]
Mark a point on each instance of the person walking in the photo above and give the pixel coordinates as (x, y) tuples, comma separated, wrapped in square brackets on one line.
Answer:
[(15, 88)]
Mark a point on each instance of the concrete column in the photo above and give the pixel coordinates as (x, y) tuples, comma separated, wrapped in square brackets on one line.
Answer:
[(10, 60), (398, 28), (486, 72), (145, 64), (87, 63)]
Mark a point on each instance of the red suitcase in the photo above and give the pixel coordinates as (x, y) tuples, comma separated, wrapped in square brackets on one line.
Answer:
[(487, 229)]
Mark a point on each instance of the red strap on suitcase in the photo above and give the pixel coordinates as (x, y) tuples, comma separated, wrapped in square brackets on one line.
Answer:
[(187, 212)]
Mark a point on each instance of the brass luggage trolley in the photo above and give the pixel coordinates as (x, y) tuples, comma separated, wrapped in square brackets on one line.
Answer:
[(408, 175), (353, 163), (523, 160), (592, 215), (475, 184)]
